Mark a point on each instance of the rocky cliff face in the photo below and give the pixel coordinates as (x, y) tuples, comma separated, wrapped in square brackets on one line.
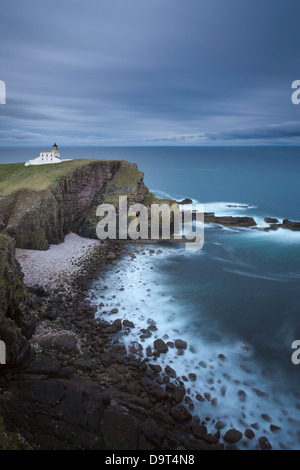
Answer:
[(35, 218), (16, 323)]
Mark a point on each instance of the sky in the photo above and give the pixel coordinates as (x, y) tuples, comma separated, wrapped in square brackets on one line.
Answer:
[(149, 72)]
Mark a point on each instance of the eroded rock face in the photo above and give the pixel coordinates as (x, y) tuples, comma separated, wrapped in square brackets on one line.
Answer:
[(16, 322)]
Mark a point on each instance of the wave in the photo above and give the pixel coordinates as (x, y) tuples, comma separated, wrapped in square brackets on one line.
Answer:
[(256, 276)]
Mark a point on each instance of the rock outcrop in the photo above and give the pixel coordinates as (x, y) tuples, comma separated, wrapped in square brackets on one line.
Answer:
[(211, 218), (295, 226), (16, 322)]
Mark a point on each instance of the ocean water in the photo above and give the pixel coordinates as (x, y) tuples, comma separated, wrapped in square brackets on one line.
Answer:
[(238, 296)]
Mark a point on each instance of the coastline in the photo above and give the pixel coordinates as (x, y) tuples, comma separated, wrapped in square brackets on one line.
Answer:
[(73, 348), (77, 362)]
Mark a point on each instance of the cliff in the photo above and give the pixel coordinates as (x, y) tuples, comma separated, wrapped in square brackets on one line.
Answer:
[(40, 205), (16, 323)]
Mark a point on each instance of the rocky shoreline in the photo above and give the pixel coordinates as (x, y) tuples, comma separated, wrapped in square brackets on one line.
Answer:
[(81, 389)]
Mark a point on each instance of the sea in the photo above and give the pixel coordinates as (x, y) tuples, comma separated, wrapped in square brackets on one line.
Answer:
[(236, 302)]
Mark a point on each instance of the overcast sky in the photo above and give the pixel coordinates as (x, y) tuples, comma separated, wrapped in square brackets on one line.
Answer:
[(150, 72)]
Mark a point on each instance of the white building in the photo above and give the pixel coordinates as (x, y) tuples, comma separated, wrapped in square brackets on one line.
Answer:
[(47, 157)]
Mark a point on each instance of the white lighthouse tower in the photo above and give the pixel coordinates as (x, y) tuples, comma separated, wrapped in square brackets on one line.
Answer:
[(46, 158)]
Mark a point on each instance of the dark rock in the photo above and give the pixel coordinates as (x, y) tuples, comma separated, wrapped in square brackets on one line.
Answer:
[(152, 432), (249, 433), (242, 395), (186, 201), (156, 368), (145, 333), (210, 439), (178, 393), (270, 220), (266, 417), (160, 346), (162, 416), (128, 324), (52, 315), (274, 428), (62, 342), (116, 326), (295, 226), (120, 431), (170, 372), (199, 397), (259, 393), (264, 443), (198, 430), (106, 359), (180, 344), (84, 364), (220, 424), (43, 364), (192, 377), (39, 291), (254, 426), (229, 220), (159, 394), (180, 414), (232, 436)]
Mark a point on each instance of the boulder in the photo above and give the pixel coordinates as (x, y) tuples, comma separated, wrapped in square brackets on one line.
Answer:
[(271, 220), (160, 345), (180, 344), (264, 443), (170, 372), (128, 324), (198, 430), (249, 433), (180, 414), (186, 201), (232, 436)]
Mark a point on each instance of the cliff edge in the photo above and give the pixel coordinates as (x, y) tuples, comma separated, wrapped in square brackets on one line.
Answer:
[(16, 323), (40, 205)]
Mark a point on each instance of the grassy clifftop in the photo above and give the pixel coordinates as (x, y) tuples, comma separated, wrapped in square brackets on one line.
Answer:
[(17, 177)]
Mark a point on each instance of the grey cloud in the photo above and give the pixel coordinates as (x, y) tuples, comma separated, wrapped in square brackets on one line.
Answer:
[(108, 71), (275, 131)]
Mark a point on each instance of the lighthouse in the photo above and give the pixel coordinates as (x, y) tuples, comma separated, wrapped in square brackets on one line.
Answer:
[(46, 158)]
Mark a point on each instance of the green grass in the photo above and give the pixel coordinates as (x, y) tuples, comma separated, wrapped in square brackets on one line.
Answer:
[(16, 176)]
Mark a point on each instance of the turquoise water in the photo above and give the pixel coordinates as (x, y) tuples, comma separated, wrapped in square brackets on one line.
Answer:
[(238, 296)]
